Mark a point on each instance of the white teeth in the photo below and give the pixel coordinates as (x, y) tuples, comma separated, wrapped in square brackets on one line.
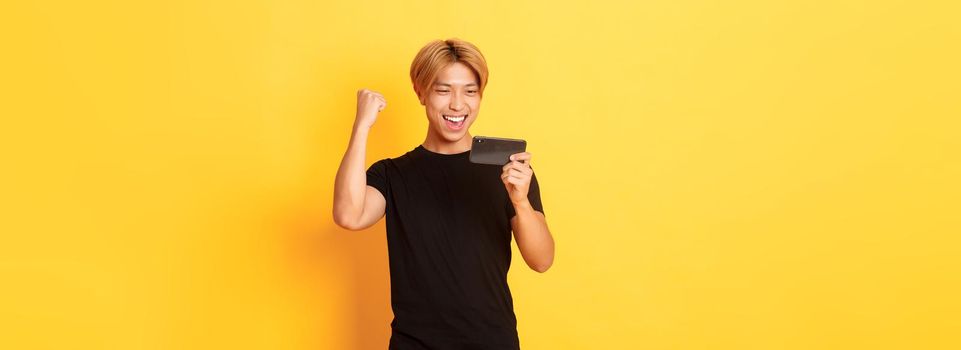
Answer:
[(455, 119)]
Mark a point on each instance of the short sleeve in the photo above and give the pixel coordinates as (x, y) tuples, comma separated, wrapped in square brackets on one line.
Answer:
[(377, 176), (533, 196)]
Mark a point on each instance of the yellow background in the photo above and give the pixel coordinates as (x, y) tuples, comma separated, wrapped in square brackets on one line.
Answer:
[(717, 175)]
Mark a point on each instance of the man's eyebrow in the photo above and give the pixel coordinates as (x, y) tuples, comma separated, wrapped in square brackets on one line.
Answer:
[(449, 85)]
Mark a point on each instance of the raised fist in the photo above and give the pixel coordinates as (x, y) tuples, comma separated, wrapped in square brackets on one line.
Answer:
[(369, 103)]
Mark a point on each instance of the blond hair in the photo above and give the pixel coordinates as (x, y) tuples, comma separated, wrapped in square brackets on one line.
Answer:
[(439, 54)]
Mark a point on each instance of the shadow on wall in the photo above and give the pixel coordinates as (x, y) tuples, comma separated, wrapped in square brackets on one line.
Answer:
[(327, 262)]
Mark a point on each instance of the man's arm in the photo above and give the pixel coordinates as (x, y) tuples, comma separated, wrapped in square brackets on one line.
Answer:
[(357, 205), (530, 227), (533, 237)]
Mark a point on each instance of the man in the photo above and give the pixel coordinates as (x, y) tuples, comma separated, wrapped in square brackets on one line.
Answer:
[(449, 221)]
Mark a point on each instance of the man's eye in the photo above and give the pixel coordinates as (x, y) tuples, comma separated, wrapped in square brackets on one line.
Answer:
[(441, 90), (472, 92)]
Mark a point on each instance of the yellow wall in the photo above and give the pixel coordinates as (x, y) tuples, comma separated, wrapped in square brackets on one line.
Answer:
[(717, 175)]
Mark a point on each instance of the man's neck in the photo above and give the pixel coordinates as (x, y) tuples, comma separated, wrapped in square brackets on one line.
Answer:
[(439, 145)]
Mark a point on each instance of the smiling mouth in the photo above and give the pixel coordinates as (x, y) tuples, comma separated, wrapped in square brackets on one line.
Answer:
[(455, 122), (455, 118)]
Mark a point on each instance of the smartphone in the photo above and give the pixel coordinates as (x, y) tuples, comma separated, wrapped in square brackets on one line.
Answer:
[(495, 150)]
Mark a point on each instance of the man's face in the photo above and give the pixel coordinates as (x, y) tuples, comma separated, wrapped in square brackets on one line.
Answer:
[(453, 101)]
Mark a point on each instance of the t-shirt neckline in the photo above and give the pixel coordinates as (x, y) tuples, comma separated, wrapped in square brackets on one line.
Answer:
[(426, 151)]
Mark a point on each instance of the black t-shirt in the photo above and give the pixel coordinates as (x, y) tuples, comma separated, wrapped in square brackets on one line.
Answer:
[(449, 245)]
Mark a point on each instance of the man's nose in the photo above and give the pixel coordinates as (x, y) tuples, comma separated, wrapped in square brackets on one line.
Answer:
[(456, 102)]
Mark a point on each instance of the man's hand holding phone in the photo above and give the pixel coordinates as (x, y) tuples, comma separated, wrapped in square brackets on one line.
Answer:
[(517, 177)]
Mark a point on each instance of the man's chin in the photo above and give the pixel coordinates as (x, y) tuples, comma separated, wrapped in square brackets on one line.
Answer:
[(455, 136), (444, 130)]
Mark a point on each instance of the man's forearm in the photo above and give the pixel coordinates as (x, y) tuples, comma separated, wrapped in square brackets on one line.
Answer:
[(351, 180), (533, 237)]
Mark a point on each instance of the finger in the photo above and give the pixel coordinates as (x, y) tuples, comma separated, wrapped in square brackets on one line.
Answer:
[(522, 165), (514, 173), (518, 172), (370, 94), (522, 161), (520, 177), (516, 181), (523, 156), (525, 168)]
